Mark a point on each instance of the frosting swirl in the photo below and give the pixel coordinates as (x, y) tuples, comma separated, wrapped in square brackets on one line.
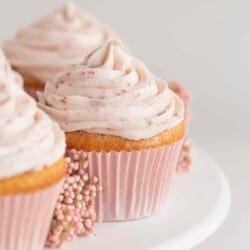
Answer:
[(112, 93), (56, 41), (6, 72), (29, 140)]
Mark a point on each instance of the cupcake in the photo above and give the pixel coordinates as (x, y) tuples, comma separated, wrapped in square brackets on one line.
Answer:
[(32, 169), (127, 121), (6, 72), (53, 43)]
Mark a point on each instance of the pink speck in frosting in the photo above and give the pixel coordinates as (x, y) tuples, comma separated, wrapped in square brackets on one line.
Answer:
[(68, 74), (137, 94), (149, 123), (2, 87), (37, 117), (96, 103), (124, 91), (70, 43), (83, 73), (91, 72), (66, 119), (64, 100)]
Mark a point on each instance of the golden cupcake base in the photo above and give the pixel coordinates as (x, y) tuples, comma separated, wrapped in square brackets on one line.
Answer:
[(33, 181), (81, 140)]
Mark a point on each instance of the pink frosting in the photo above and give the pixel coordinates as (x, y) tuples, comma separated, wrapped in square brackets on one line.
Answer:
[(6, 72), (55, 42), (29, 139), (112, 93)]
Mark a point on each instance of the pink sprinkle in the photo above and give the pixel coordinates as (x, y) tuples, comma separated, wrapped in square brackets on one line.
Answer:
[(66, 120), (64, 100), (137, 94), (68, 74), (124, 91), (83, 73), (95, 179), (88, 223)]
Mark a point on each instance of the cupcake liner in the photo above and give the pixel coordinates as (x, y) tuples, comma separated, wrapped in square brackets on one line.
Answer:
[(25, 218), (135, 184)]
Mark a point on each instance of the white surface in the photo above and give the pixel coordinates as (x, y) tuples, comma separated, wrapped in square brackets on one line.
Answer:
[(198, 204), (205, 44)]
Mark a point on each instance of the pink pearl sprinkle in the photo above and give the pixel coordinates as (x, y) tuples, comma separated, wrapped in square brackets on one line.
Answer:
[(85, 177), (79, 197), (88, 223), (85, 164), (86, 198), (60, 217), (77, 178), (68, 200)]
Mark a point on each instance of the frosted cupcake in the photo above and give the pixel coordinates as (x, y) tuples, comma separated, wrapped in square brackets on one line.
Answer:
[(32, 168), (129, 123), (6, 72), (53, 43)]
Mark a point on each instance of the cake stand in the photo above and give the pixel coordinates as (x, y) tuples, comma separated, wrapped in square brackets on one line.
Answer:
[(198, 204)]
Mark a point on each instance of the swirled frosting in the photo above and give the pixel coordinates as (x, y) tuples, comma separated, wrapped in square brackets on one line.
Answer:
[(6, 72), (112, 93), (56, 41), (29, 139)]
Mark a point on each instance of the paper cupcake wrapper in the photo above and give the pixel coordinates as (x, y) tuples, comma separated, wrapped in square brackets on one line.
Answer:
[(135, 184), (25, 219)]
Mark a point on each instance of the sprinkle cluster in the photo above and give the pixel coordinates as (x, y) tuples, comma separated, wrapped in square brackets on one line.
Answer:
[(185, 160), (182, 92), (74, 215)]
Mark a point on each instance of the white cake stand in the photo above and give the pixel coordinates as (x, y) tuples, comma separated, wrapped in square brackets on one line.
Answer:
[(199, 202)]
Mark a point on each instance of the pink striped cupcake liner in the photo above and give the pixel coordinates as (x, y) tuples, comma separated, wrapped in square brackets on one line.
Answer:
[(135, 184), (25, 219)]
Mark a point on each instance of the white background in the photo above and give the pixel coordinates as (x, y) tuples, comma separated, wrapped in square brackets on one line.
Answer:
[(206, 45)]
